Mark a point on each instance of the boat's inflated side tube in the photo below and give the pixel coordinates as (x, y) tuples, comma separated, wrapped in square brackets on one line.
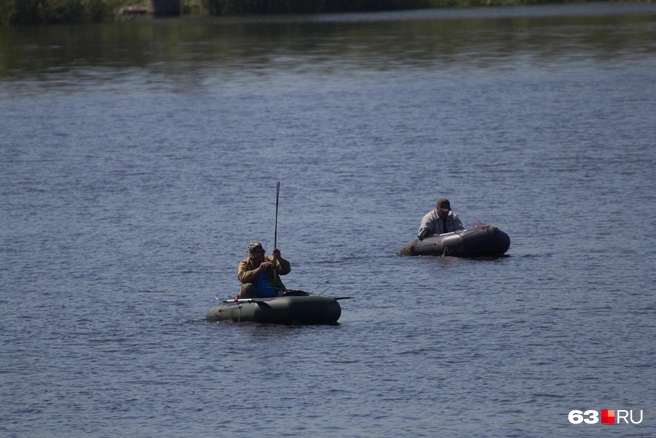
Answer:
[(280, 310), (487, 241)]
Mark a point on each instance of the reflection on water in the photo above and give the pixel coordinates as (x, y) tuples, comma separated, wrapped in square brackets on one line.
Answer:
[(189, 51)]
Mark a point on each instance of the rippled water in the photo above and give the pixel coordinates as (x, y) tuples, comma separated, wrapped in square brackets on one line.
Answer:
[(138, 160)]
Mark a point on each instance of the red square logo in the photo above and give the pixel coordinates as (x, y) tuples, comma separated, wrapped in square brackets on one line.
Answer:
[(607, 416)]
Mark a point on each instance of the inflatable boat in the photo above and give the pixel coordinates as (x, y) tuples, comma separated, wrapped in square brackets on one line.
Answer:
[(485, 241), (297, 308)]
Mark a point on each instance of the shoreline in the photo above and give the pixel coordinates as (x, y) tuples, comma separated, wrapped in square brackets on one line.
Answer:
[(47, 12)]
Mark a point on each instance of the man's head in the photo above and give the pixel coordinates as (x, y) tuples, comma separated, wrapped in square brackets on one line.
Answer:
[(255, 250), (443, 207)]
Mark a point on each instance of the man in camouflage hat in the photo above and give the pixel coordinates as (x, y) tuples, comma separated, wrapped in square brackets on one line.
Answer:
[(439, 221), (260, 274)]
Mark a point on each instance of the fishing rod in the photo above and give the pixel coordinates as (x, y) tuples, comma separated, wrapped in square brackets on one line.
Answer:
[(275, 228), (275, 231)]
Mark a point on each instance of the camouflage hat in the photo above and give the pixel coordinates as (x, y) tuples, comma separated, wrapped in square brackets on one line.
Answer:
[(444, 203), (255, 249)]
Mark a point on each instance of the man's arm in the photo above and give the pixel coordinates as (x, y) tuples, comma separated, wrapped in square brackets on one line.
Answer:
[(282, 266), (427, 226), (457, 224), (245, 274)]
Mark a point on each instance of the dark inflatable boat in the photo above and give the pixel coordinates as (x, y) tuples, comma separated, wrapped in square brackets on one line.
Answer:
[(486, 241), (298, 308)]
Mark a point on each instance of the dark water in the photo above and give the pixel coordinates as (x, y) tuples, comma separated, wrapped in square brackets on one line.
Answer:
[(138, 160)]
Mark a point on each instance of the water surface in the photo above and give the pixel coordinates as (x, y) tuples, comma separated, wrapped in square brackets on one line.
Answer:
[(139, 159)]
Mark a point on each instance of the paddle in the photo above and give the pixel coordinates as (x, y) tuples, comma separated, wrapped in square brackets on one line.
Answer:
[(249, 300), (263, 300)]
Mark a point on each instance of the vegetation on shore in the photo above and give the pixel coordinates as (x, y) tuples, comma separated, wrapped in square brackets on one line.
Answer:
[(56, 11), (82, 11)]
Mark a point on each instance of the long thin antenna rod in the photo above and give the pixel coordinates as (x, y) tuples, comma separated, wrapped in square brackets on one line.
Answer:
[(275, 232)]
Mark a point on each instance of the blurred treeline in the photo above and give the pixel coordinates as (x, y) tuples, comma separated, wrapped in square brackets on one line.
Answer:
[(238, 7), (80, 11), (57, 11)]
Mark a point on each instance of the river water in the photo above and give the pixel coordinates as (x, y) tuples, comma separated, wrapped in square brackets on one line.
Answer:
[(139, 159)]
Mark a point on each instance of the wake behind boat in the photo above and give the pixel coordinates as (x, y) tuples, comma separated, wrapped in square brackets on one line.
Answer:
[(485, 241), (293, 308)]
